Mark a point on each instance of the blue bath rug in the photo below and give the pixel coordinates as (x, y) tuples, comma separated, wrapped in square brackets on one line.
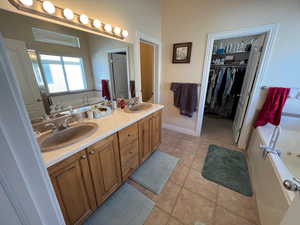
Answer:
[(155, 171), (228, 168), (127, 206)]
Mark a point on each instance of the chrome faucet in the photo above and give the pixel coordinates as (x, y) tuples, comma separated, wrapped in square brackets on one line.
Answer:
[(272, 144), (56, 126)]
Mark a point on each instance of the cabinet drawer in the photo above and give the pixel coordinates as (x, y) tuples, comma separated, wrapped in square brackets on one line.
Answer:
[(127, 135), (129, 151), (130, 166)]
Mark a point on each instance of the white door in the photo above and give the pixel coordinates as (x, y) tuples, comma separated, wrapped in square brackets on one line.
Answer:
[(22, 67), (292, 215), (120, 77), (247, 86)]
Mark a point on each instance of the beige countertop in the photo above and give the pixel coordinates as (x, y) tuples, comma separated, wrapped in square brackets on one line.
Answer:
[(106, 127)]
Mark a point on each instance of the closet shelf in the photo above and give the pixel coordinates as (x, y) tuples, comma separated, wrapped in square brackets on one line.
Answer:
[(230, 65), (232, 53)]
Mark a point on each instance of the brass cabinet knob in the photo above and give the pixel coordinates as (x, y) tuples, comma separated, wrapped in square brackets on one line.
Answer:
[(83, 156), (92, 152)]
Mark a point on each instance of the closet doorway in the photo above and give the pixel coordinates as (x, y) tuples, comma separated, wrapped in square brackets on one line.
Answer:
[(233, 69)]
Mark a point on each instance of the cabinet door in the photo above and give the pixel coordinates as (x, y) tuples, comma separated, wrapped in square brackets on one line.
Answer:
[(155, 126), (105, 167), (73, 187), (144, 139)]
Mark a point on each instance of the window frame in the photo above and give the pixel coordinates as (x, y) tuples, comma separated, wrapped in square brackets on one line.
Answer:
[(82, 63)]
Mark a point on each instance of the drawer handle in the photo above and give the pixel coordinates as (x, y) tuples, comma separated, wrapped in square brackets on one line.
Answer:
[(130, 152), (83, 156), (129, 135), (92, 152)]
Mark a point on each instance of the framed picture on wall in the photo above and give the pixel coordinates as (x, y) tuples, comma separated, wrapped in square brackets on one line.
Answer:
[(182, 52)]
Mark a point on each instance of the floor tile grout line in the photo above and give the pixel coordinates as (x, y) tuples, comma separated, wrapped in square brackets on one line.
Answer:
[(237, 215), (181, 188), (200, 195), (229, 210)]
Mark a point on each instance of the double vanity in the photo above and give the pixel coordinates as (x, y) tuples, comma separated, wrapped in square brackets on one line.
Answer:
[(85, 173), (63, 74)]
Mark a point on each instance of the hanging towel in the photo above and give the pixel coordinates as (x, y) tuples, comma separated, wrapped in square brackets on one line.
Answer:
[(272, 108), (185, 97), (105, 89)]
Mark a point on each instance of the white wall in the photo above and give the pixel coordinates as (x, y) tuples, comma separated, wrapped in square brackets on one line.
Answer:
[(192, 20)]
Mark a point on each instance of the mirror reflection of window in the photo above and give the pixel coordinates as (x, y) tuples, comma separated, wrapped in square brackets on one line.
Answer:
[(63, 74), (59, 67)]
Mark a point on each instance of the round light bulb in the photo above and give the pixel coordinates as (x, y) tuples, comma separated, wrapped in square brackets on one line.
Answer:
[(49, 7), (68, 14), (125, 33), (108, 28), (97, 23), (117, 30), (26, 2), (84, 19)]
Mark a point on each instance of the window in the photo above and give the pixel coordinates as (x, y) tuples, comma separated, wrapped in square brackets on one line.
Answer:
[(51, 37), (63, 74)]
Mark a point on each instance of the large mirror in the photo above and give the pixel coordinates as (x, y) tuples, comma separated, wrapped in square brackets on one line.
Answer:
[(59, 67)]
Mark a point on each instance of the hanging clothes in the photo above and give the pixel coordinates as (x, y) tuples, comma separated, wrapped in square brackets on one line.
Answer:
[(224, 88), (217, 87), (227, 100), (236, 89), (211, 85)]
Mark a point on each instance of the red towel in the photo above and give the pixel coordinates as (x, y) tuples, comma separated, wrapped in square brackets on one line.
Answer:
[(105, 89), (272, 108)]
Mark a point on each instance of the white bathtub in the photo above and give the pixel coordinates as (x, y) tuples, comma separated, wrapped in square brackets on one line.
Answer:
[(268, 174)]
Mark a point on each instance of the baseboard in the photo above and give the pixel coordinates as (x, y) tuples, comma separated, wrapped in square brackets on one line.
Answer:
[(179, 129)]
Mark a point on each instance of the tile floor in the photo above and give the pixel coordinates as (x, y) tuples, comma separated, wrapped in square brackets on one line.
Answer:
[(190, 199)]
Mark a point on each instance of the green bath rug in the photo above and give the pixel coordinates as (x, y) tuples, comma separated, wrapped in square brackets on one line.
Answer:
[(228, 168)]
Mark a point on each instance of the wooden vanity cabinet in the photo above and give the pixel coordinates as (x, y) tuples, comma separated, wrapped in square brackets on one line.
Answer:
[(105, 167), (149, 135), (144, 139), (86, 179), (129, 150), (155, 130), (73, 187)]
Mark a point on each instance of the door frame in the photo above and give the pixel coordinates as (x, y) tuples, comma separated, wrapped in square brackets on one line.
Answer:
[(157, 64), (108, 52), (23, 174), (271, 31)]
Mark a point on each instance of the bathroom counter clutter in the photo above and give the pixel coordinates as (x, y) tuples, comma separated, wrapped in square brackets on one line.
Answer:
[(107, 126)]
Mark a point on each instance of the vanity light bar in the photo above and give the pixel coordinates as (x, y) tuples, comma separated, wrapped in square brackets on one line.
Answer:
[(49, 10)]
